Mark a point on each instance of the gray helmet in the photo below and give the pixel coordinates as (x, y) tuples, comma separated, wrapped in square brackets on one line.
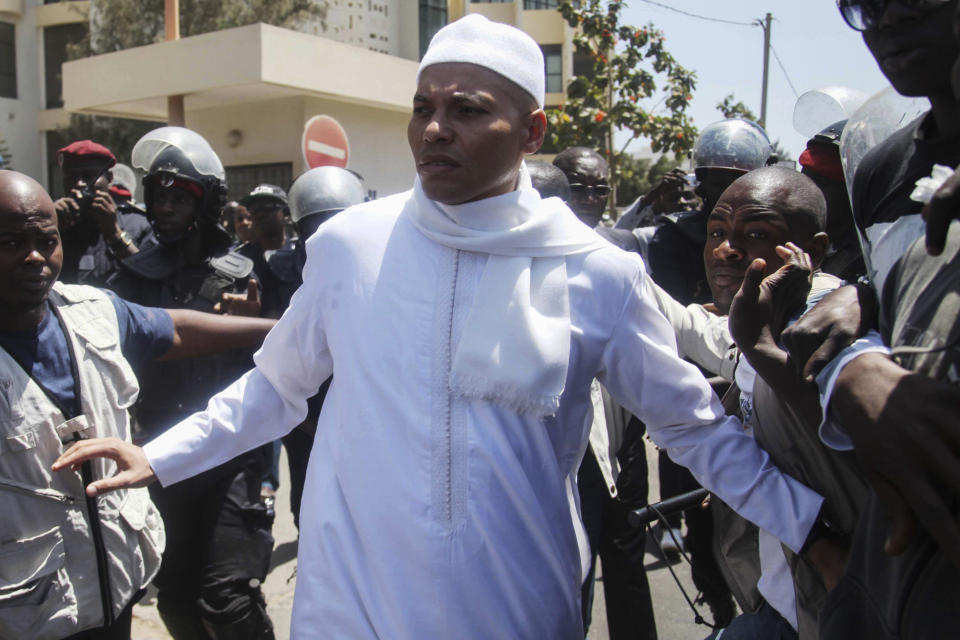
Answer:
[(324, 191), (734, 143)]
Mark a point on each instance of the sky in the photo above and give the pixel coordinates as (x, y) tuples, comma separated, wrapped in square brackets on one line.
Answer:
[(813, 42)]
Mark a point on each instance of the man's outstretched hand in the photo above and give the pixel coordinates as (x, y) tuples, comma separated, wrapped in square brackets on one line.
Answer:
[(133, 467), (239, 304), (842, 316)]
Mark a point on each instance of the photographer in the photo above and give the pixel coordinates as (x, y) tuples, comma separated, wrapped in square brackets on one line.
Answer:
[(96, 233)]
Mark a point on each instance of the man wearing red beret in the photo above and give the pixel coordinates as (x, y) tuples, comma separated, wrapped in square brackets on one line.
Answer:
[(96, 233)]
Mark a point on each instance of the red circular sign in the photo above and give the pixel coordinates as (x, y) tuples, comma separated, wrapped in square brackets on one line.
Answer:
[(324, 143)]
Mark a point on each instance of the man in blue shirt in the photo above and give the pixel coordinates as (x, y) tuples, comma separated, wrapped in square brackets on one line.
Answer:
[(76, 564)]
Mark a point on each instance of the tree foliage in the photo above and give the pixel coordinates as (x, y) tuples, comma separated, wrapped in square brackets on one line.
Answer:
[(730, 109), (6, 158), (630, 65), (121, 24), (638, 175)]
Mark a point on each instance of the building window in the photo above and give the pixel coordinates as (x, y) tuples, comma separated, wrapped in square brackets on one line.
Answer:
[(582, 64), (540, 4), (8, 61), (491, 1), (433, 15), (55, 42), (553, 67), (241, 180)]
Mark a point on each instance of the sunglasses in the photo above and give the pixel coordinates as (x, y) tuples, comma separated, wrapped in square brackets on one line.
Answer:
[(599, 190), (861, 15)]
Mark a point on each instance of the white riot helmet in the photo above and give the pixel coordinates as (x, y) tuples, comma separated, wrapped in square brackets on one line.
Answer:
[(171, 155), (124, 176), (319, 194), (882, 115), (734, 143)]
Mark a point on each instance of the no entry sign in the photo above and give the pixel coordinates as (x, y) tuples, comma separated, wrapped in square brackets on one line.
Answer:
[(325, 143)]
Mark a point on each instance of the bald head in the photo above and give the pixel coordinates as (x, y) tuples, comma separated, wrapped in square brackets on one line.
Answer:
[(30, 253), (792, 194), (586, 171), (567, 159), (21, 192), (761, 210), (548, 180)]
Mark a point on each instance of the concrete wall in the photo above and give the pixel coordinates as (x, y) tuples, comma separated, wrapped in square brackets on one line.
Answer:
[(272, 131), (18, 117), (24, 120)]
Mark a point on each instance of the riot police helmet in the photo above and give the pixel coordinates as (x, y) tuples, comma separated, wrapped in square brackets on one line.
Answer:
[(178, 157), (735, 143), (321, 193)]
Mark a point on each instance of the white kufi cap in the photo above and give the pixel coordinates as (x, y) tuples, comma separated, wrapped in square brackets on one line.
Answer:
[(499, 47)]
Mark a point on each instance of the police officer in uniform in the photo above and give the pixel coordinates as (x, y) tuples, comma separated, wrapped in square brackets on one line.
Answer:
[(269, 213), (218, 530)]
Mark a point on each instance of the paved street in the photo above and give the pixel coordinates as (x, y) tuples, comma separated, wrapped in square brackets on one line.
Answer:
[(674, 618)]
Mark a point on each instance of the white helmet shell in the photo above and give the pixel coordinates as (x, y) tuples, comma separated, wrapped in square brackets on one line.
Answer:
[(190, 143)]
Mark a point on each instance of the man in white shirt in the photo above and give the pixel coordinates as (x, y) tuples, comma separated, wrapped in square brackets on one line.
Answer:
[(464, 321)]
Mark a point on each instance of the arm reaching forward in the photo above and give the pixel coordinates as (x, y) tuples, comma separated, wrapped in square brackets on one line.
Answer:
[(199, 334)]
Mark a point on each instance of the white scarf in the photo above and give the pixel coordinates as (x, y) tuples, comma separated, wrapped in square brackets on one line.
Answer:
[(515, 346)]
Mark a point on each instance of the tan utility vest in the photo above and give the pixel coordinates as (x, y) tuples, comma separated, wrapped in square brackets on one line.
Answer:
[(52, 561)]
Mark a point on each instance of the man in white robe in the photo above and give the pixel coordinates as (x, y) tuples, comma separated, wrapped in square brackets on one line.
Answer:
[(463, 322)]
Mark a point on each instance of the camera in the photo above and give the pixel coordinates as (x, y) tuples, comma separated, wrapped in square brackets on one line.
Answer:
[(87, 194)]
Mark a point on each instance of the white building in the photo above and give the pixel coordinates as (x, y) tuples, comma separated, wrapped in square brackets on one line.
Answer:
[(249, 90)]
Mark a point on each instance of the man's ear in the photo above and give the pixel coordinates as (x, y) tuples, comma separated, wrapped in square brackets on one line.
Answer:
[(817, 248), (536, 128)]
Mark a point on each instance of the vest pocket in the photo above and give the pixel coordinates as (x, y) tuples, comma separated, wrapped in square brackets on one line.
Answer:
[(139, 513), (36, 597), (104, 353)]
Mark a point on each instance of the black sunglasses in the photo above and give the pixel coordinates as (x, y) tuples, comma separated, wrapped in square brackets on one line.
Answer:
[(861, 15), (600, 190)]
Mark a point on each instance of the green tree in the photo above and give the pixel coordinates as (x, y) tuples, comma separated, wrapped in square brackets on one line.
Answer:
[(5, 154), (627, 65), (121, 24), (729, 109), (639, 175)]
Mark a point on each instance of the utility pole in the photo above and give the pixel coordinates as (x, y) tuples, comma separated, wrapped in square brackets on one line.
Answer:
[(766, 68), (171, 25)]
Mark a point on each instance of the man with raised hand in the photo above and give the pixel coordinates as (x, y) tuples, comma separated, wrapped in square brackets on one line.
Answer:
[(463, 322)]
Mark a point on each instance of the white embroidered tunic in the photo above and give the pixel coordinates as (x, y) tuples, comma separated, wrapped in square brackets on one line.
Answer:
[(429, 516)]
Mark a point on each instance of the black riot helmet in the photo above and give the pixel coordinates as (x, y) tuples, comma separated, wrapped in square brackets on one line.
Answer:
[(178, 157), (319, 194)]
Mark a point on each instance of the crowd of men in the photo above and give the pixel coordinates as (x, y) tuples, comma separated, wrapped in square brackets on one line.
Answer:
[(465, 375)]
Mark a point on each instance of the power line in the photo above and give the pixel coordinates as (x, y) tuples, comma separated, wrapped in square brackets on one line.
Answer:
[(785, 74), (695, 15)]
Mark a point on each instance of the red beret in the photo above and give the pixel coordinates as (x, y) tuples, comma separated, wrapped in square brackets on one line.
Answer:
[(824, 160), (84, 150), (119, 191)]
